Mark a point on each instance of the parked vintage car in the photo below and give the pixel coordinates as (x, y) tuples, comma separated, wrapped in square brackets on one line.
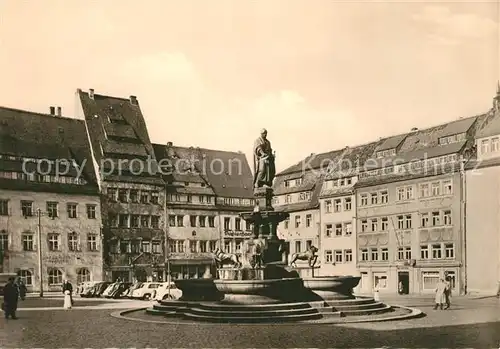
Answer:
[(132, 287), (85, 288), (109, 289), (162, 292), (96, 290), (120, 290), (145, 290)]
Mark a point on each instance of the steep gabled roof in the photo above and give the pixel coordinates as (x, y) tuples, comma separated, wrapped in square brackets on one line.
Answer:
[(227, 173), (313, 161), (118, 131), (35, 135), (490, 126)]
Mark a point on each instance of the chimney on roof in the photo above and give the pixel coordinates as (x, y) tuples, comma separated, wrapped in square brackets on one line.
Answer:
[(52, 110), (133, 100), (91, 93), (59, 111), (169, 144)]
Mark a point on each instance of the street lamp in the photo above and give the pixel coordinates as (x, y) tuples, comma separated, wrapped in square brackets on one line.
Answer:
[(39, 214)]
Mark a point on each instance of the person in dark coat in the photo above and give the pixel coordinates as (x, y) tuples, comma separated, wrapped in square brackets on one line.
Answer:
[(10, 299), (68, 287)]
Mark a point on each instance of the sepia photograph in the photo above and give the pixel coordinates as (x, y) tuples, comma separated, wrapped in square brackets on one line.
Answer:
[(249, 174)]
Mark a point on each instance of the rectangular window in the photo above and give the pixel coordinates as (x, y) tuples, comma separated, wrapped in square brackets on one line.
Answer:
[(374, 224), (91, 211), (436, 188), (144, 197), (28, 242), (155, 222), (328, 230), (401, 194), (27, 208), (111, 194), (494, 145), (385, 224), (385, 254), (401, 253), (298, 245), (436, 219), (380, 280), (384, 197), (297, 221), (52, 211), (408, 221), (328, 256), (424, 220), (213, 245), (338, 256), (73, 243), (436, 251), (347, 204), (123, 195), (54, 243), (364, 200), (337, 205), (237, 224), (192, 221), (180, 221), (485, 146), (408, 253), (134, 195), (447, 187), (202, 221), (211, 221), (447, 217), (424, 252), (424, 190), (348, 256), (338, 229), (364, 226), (146, 246), (92, 242), (374, 198), (193, 246), (401, 222), (155, 197), (348, 229), (308, 220), (430, 280), (364, 255), (374, 254), (409, 193), (449, 251), (145, 221), (71, 210), (156, 247), (227, 223), (203, 246), (171, 220), (328, 206)]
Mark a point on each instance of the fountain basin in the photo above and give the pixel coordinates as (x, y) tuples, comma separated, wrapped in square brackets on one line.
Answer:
[(198, 290), (259, 291), (332, 287)]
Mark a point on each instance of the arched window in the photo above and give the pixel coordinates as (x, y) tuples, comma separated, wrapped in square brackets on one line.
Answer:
[(83, 275), (55, 277), (26, 277)]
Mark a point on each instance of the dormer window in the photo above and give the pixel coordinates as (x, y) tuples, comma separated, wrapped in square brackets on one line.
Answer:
[(386, 153), (298, 181), (287, 184), (452, 139)]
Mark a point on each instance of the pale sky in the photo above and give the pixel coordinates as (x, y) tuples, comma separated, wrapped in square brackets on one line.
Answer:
[(319, 75)]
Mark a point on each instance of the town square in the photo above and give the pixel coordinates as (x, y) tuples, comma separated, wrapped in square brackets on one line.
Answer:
[(249, 174)]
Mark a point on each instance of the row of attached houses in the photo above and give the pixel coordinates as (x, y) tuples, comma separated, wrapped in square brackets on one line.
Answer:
[(92, 198), (403, 211)]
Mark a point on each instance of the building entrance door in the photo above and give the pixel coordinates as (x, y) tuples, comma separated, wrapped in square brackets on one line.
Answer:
[(403, 282)]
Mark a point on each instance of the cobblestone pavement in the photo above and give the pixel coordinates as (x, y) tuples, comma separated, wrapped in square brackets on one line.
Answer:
[(470, 323)]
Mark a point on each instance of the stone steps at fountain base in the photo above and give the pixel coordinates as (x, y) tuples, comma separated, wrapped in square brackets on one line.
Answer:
[(253, 319), (254, 314)]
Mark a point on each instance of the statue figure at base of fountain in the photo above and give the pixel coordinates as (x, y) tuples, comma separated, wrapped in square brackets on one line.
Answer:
[(221, 258), (254, 252), (310, 256)]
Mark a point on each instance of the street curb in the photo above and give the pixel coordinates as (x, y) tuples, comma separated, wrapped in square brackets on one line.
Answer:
[(414, 314)]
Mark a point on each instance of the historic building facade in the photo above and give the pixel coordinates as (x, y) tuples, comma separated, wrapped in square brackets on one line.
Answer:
[(410, 217), (206, 190), (133, 192), (296, 191), (50, 217), (338, 250), (482, 193)]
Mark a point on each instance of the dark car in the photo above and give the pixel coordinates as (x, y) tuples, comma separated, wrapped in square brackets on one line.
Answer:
[(100, 288), (119, 290)]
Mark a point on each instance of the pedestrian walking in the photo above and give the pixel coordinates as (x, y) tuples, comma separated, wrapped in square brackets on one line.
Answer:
[(68, 287), (10, 299), (447, 293), (440, 297)]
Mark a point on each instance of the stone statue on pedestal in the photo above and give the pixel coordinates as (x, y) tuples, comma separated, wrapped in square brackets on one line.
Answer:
[(263, 160)]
